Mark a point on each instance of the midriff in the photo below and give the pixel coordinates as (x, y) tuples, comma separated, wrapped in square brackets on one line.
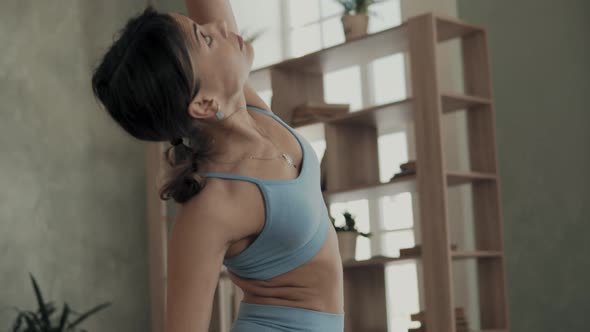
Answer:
[(315, 285)]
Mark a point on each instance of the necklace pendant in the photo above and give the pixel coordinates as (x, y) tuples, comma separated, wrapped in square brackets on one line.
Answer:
[(288, 159)]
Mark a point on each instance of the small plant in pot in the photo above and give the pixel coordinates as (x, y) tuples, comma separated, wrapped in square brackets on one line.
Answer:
[(355, 19), (42, 320), (347, 235)]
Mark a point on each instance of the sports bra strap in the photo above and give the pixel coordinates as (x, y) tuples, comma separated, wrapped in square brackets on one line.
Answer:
[(258, 109)]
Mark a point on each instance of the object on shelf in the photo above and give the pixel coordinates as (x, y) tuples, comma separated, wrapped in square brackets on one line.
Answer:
[(417, 250), (408, 168), (355, 18), (313, 111), (354, 26), (461, 324), (347, 245), (347, 236)]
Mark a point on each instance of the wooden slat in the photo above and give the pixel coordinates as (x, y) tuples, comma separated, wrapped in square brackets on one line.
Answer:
[(453, 102), (431, 180), (455, 178), (401, 185), (361, 50), (369, 47), (384, 260), (450, 27)]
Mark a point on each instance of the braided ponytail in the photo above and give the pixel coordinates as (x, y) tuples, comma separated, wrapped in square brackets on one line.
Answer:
[(184, 160)]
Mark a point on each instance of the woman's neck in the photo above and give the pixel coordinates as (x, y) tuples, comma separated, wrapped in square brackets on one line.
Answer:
[(236, 135)]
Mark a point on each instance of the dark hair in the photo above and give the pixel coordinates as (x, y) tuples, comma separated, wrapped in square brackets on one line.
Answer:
[(145, 82)]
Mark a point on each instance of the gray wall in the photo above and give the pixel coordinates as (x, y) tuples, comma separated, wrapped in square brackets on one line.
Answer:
[(540, 52), (72, 197)]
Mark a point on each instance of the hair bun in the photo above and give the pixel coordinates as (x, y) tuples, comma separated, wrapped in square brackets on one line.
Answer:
[(176, 141)]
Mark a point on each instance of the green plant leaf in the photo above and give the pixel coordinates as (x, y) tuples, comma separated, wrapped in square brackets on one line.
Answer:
[(50, 307), (64, 318), (348, 5), (88, 314), (41, 303), (33, 322), (18, 322)]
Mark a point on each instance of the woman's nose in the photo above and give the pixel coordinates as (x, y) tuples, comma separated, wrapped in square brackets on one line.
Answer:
[(219, 26)]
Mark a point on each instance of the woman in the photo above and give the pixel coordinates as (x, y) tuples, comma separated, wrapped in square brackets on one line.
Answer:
[(248, 184)]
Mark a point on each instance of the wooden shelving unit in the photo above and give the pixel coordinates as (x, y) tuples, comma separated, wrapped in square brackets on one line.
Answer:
[(299, 80)]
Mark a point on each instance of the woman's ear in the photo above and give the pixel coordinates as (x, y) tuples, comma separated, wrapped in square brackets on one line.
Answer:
[(202, 106)]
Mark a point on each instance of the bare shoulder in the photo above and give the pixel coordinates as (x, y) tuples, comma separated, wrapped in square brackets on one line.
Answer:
[(205, 211), (221, 206), (252, 98)]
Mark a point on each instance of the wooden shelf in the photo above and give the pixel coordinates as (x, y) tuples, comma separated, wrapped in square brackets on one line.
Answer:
[(452, 102), (366, 48), (380, 260), (455, 178), (402, 185), (387, 118), (352, 165), (456, 255), (449, 28), (395, 116), (360, 50)]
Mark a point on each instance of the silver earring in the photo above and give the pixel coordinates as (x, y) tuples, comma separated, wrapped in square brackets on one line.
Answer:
[(219, 113)]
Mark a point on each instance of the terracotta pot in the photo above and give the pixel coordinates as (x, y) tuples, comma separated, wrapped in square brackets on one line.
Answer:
[(355, 25), (347, 245)]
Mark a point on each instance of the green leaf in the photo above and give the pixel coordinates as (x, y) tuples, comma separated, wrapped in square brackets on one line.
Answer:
[(18, 322), (50, 308), (33, 322), (41, 303), (64, 318), (88, 314)]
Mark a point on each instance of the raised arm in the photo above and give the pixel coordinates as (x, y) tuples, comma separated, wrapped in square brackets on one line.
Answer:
[(205, 11)]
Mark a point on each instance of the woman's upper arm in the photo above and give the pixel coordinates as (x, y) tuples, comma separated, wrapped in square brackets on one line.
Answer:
[(252, 98), (197, 245)]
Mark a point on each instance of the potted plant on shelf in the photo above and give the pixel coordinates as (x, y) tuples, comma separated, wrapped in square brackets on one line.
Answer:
[(42, 320), (355, 19), (347, 236)]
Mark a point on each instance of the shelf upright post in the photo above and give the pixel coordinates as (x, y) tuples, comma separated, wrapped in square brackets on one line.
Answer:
[(486, 195), (430, 172)]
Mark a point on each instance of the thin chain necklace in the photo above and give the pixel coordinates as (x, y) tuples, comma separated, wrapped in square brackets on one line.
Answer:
[(286, 156)]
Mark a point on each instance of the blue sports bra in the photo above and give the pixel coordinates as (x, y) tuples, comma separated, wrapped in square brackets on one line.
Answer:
[(296, 218)]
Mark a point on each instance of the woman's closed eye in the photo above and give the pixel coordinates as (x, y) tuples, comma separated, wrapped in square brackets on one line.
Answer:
[(209, 40)]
